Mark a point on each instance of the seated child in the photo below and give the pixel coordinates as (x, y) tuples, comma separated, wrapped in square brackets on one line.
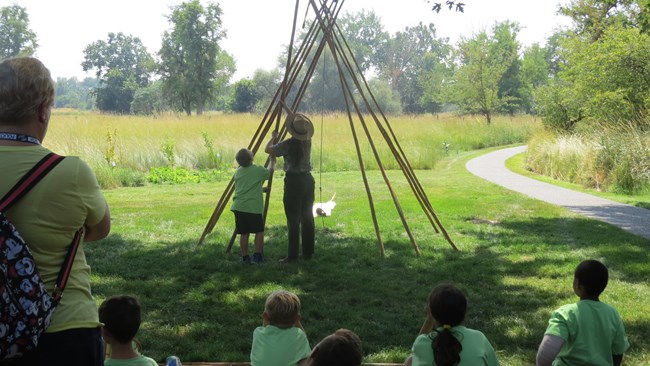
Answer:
[(120, 316), (343, 348), (281, 341), (248, 203), (588, 332), (443, 341)]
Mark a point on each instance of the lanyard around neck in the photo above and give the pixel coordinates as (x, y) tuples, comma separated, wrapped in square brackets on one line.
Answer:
[(19, 137)]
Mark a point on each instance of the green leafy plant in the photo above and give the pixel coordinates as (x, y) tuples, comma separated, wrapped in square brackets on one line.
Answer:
[(168, 149), (109, 153)]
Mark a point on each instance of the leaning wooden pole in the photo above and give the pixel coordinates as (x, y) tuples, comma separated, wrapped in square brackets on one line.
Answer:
[(398, 153), (347, 91), (393, 143), (326, 25), (273, 113), (363, 173)]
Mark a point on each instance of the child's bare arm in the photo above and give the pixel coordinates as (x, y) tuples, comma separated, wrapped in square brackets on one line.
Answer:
[(269, 145), (428, 324)]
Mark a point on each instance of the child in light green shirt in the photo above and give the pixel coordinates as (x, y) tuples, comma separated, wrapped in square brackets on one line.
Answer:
[(281, 341), (120, 316), (443, 340), (586, 333)]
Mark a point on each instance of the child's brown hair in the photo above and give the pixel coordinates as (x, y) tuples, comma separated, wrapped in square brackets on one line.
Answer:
[(244, 157), (282, 308)]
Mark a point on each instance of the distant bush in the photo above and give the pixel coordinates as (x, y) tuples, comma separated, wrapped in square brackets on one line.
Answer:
[(113, 177), (616, 161), (178, 175)]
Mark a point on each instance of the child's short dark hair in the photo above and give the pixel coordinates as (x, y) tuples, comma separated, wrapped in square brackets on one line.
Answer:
[(593, 276), (343, 348), (121, 317), (244, 157)]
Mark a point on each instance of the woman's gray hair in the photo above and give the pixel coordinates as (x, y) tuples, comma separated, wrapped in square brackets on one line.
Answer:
[(25, 84)]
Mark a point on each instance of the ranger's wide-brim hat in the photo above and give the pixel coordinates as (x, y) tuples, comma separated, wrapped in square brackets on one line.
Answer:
[(299, 126)]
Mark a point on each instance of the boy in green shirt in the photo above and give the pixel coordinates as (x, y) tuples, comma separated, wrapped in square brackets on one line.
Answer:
[(281, 340), (588, 332), (248, 203)]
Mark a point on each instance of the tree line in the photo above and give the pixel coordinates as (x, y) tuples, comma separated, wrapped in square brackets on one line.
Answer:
[(595, 69)]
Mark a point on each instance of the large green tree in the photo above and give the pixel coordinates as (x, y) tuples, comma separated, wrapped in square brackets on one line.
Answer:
[(122, 65), (606, 81), (16, 38), (535, 72), (409, 56), (591, 18), (506, 47), (192, 65), (364, 34), (243, 97), (483, 62)]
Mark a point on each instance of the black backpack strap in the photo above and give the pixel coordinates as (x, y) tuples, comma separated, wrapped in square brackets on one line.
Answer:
[(66, 267), (29, 180), (20, 189)]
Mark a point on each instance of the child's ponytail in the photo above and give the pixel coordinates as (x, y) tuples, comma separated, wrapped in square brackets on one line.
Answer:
[(446, 348), (447, 305)]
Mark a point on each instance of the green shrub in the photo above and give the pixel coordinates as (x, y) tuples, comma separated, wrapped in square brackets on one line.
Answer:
[(611, 160), (178, 175), (112, 177)]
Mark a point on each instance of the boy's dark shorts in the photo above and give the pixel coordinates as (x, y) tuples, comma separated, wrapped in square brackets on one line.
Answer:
[(246, 222)]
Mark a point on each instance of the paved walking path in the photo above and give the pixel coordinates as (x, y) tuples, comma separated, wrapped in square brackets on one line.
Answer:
[(492, 167)]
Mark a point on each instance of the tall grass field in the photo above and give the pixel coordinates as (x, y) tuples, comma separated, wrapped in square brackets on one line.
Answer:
[(515, 258), (123, 149)]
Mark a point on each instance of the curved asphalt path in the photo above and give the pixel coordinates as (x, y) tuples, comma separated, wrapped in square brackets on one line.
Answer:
[(492, 167)]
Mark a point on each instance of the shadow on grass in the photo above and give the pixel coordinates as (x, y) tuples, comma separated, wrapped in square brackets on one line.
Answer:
[(203, 304)]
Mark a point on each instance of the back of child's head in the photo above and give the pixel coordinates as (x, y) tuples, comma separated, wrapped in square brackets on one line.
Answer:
[(343, 348), (282, 308), (448, 306), (121, 317), (593, 276), (244, 157)]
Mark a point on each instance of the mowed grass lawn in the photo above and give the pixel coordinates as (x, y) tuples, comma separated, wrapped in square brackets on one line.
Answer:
[(515, 263)]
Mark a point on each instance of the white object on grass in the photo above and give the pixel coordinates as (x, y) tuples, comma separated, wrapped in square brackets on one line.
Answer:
[(324, 209)]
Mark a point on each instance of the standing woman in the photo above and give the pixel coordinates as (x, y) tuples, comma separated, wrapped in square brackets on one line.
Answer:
[(298, 184), (66, 199)]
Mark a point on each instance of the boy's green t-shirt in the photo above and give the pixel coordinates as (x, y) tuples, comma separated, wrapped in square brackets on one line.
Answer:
[(135, 361), (248, 189), (273, 346), (592, 331)]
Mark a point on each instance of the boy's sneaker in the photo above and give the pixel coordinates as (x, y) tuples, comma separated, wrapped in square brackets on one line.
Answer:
[(257, 258), (246, 259)]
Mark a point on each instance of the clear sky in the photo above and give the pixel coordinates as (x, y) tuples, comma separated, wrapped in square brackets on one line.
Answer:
[(257, 30)]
